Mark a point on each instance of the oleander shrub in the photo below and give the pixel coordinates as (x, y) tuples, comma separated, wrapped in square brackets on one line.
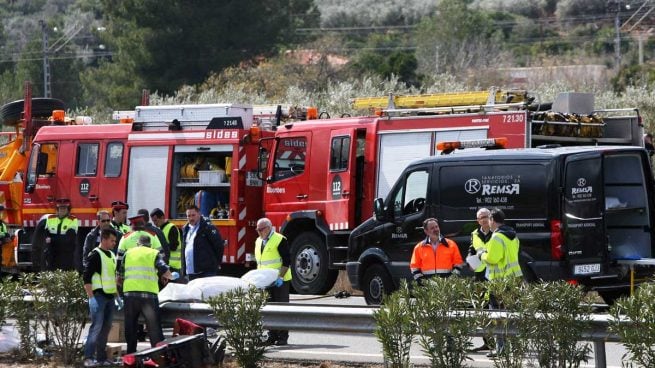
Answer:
[(446, 312), (24, 314), (239, 313), (633, 319), (394, 327), (556, 314), (512, 330), (61, 304)]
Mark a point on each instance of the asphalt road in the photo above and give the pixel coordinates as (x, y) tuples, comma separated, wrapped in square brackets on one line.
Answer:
[(340, 347)]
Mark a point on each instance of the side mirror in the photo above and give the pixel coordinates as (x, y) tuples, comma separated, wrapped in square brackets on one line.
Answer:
[(378, 209)]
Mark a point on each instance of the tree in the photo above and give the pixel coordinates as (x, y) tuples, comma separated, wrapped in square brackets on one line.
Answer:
[(184, 41), (386, 55), (456, 39)]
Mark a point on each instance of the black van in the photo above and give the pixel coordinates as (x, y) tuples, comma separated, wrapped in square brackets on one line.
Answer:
[(579, 212)]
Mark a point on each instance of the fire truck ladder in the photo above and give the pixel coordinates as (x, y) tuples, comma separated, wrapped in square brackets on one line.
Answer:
[(183, 117), (445, 102)]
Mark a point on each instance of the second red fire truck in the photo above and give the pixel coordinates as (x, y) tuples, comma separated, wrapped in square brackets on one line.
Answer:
[(315, 179)]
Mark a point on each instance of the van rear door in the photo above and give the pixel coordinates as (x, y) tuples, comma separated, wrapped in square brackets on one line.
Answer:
[(585, 240), (627, 205)]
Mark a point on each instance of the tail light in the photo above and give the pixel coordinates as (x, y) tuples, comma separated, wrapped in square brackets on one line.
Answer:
[(556, 240)]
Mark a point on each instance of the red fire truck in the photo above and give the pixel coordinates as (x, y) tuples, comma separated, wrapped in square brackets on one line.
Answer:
[(164, 156)]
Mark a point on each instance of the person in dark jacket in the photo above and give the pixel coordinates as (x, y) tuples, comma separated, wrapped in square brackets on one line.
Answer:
[(202, 246), (92, 239)]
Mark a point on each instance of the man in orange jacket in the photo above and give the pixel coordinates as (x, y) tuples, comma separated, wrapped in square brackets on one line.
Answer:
[(435, 255)]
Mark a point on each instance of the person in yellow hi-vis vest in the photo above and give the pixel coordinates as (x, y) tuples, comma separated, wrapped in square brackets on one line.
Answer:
[(173, 236), (100, 285), (138, 275), (479, 239), (501, 259), (272, 251), (130, 240)]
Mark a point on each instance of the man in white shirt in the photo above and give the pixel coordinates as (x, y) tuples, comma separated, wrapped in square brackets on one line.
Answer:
[(202, 251)]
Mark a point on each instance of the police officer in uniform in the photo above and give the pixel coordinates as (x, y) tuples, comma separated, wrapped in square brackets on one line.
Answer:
[(272, 251), (59, 234), (119, 214), (173, 236)]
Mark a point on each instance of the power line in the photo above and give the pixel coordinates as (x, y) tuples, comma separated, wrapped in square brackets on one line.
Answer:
[(63, 57), (555, 21)]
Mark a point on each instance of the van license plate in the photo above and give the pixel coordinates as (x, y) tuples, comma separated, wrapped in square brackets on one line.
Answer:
[(586, 269)]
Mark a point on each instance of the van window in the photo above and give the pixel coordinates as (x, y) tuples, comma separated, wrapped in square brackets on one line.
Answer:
[(113, 159), (583, 191), (290, 157), (520, 190), (410, 196), (339, 153), (87, 159)]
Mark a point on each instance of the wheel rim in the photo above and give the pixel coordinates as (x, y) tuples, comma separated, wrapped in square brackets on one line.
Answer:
[(376, 288), (308, 263)]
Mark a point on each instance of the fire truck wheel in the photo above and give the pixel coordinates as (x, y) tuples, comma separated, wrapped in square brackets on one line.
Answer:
[(10, 113), (376, 284), (309, 264)]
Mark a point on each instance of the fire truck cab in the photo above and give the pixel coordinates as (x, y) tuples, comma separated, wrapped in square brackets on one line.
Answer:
[(165, 157)]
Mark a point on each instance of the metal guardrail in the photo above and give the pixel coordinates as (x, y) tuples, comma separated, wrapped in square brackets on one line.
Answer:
[(354, 319)]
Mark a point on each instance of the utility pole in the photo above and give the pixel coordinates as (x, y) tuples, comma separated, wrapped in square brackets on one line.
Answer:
[(617, 41), (46, 62)]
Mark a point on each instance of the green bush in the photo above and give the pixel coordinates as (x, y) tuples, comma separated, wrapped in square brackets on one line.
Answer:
[(446, 311), (24, 313), (239, 313), (509, 294), (61, 303), (556, 314), (633, 319), (395, 328)]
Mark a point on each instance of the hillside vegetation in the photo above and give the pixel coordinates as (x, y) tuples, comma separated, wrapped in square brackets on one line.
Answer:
[(103, 53)]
